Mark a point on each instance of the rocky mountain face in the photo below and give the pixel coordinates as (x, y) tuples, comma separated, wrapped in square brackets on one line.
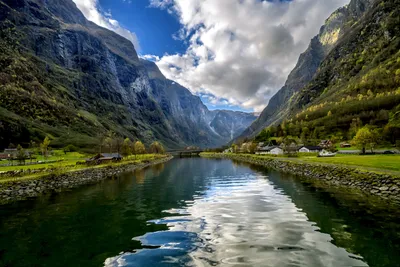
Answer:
[(230, 124), (336, 26), (64, 76), (358, 82), (187, 113)]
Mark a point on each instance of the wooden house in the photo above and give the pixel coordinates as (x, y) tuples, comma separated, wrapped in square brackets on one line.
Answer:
[(102, 158)]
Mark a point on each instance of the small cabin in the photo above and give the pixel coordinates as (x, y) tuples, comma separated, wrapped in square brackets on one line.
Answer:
[(310, 149), (4, 156), (326, 144), (344, 145), (12, 153), (102, 158)]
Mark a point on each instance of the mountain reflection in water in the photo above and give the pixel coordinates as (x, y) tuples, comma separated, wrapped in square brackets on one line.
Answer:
[(200, 212)]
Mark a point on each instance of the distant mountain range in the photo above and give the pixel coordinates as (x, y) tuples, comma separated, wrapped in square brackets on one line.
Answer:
[(63, 76)]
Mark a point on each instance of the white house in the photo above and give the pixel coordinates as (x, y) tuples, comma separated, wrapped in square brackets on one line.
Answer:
[(310, 149), (276, 151), (228, 150), (270, 150)]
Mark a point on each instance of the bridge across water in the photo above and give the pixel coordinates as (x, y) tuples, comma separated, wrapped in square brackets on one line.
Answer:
[(185, 153)]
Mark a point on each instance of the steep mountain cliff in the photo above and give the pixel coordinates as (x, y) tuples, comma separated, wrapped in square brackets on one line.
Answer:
[(64, 76), (358, 83), (187, 113), (320, 46), (230, 124)]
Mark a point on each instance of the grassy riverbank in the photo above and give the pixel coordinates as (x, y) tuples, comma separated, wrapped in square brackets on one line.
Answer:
[(376, 163), (64, 164), (18, 188), (379, 162)]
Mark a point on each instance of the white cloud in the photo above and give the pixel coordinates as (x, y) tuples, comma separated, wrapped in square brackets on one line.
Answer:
[(92, 12), (241, 50), (150, 57)]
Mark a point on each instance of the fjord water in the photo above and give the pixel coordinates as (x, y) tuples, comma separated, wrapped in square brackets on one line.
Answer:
[(199, 212)]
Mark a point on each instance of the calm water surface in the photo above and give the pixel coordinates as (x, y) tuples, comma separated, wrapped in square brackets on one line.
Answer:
[(200, 212)]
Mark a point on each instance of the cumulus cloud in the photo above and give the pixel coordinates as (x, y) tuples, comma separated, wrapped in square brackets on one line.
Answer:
[(92, 12), (150, 57), (241, 51)]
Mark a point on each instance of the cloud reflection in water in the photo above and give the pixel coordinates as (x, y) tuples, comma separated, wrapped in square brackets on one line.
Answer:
[(237, 221)]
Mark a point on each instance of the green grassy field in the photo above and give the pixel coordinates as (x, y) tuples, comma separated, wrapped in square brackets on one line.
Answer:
[(347, 148), (358, 149), (386, 162), (66, 163), (63, 160)]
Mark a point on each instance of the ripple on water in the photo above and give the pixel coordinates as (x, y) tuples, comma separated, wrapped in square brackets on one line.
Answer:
[(237, 221)]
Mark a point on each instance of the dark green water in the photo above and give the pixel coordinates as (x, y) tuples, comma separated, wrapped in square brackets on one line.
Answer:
[(200, 212)]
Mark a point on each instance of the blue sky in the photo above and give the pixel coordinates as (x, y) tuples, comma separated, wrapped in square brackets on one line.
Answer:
[(154, 27), (234, 54)]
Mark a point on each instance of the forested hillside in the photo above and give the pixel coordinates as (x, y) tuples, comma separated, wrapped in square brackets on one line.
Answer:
[(308, 64), (357, 84)]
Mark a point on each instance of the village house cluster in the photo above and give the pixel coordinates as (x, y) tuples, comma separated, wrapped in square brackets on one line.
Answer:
[(13, 154), (273, 148)]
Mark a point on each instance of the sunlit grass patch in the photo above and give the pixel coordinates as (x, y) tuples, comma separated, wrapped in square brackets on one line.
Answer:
[(388, 162)]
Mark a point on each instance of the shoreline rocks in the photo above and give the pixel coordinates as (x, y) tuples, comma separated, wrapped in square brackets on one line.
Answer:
[(20, 190), (383, 185)]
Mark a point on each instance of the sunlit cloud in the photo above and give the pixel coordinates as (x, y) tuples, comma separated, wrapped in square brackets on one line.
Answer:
[(92, 12), (241, 51)]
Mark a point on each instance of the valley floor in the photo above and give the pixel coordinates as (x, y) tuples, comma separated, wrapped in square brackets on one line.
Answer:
[(63, 164), (376, 163), (379, 163)]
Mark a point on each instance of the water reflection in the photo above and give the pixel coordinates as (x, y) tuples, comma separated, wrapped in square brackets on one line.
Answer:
[(139, 176), (199, 212), (238, 220), (157, 169)]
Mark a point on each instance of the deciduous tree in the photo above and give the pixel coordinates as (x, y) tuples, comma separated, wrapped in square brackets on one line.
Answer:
[(127, 147), (139, 148), (118, 141), (108, 142), (364, 137), (235, 148), (252, 148), (157, 148), (21, 155), (44, 147)]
